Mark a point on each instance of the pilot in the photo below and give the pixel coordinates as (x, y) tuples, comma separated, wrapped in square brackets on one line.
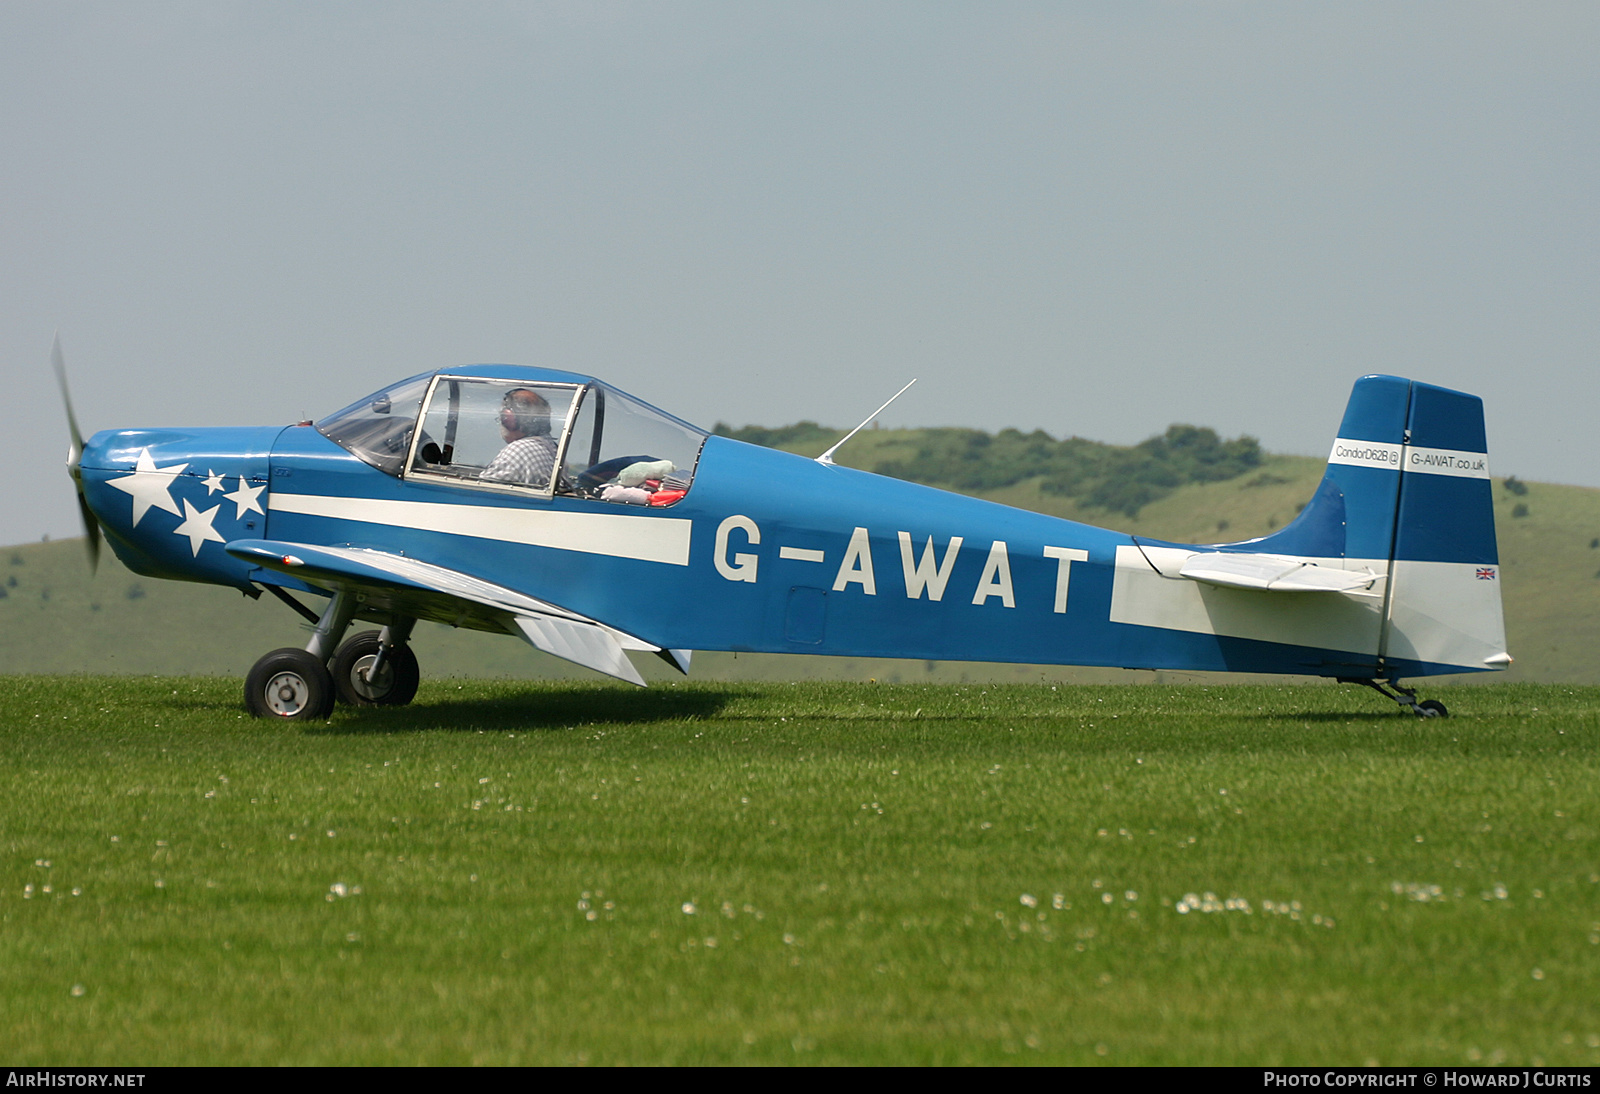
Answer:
[(529, 455)]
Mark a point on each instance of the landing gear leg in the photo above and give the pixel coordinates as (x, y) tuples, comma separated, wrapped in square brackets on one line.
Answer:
[(331, 627), (1406, 697), (295, 685)]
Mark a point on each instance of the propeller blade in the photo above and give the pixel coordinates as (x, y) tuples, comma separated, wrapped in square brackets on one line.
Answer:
[(91, 531), (59, 363), (91, 525)]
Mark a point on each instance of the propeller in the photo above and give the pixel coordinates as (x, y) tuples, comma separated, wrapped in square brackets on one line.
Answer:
[(91, 526)]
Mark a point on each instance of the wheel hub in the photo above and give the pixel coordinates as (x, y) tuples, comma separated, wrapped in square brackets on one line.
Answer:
[(287, 694), (362, 681)]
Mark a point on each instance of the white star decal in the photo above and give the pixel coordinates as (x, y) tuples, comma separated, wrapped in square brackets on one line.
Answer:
[(197, 525), (245, 499), (213, 483), (149, 485)]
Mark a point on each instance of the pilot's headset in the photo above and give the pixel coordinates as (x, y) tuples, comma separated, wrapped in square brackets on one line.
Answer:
[(526, 412)]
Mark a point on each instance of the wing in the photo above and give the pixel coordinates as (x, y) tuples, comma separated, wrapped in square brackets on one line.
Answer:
[(448, 596)]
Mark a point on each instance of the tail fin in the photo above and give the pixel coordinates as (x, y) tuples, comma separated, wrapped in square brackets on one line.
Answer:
[(1407, 489)]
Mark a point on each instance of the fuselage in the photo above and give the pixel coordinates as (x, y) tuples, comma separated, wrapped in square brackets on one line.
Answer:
[(766, 551)]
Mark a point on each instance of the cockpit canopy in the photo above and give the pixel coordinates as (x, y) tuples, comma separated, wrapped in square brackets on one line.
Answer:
[(524, 434)]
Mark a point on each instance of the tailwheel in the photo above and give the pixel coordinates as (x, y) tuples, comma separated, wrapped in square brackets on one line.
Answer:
[(290, 684), (367, 674), (1406, 697)]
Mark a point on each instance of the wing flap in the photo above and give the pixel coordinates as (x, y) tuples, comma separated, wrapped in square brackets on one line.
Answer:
[(585, 644)]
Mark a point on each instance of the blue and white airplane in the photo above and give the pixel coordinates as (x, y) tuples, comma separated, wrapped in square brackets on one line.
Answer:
[(552, 507)]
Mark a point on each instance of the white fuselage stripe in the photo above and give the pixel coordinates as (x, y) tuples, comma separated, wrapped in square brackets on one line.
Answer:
[(1397, 457), (648, 539)]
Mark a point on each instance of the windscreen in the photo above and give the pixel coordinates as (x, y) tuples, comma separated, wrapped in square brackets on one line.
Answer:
[(378, 428)]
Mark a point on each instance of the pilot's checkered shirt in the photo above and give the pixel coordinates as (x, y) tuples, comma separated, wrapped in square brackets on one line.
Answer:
[(529, 460)]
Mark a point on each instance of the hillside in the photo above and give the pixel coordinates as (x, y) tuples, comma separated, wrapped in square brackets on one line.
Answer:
[(55, 618)]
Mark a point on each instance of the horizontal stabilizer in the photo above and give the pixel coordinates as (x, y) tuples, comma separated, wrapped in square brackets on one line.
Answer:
[(1272, 573)]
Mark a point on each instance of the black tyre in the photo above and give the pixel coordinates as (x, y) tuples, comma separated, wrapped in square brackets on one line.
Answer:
[(289, 684), (397, 680), (1432, 708)]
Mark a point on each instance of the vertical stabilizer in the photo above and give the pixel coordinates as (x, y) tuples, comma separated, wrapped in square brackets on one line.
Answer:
[(1353, 513), (1407, 494)]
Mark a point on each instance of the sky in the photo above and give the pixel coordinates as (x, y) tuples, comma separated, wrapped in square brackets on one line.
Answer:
[(1095, 219)]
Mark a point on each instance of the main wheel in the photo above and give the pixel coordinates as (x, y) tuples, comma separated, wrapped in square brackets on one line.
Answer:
[(396, 683), (1432, 708), (289, 684)]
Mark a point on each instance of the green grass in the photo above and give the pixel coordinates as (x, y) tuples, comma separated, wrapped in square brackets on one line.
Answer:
[(876, 874)]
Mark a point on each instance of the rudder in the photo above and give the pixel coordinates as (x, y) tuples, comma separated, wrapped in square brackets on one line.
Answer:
[(1444, 610)]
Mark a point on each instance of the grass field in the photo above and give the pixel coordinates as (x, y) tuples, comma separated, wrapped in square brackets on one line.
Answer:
[(808, 873)]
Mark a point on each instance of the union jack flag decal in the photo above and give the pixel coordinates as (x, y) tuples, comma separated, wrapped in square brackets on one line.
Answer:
[(1486, 573)]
